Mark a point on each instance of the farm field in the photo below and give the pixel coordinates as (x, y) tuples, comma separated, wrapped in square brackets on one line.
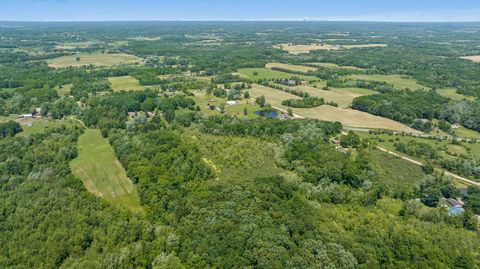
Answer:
[(475, 58), (398, 81), (96, 59), (291, 67), (101, 172), (452, 94), (343, 97), (348, 117), (125, 83), (332, 65), (303, 49), (264, 73)]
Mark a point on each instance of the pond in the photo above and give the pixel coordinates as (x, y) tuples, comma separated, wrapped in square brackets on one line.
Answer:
[(266, 114)]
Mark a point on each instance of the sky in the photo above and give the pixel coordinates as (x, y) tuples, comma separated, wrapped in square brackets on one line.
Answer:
[(319, 10)]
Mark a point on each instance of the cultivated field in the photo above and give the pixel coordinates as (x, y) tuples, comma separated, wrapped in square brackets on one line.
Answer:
[(301, 49), (475, 58), (96, 59), (348, 117), (263, 73), (399, 81), (125, 83), (101, 172), (452, 94), (291, 67)]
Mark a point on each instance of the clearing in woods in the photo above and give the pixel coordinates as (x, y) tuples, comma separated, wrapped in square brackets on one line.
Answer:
[(333, 66), (96, 59), (452, 94), (343, 97), (300, 49), (125, 83), (101, 172), (291, 67), (398, 81), (475, 58), (263, 73), (348, 117)]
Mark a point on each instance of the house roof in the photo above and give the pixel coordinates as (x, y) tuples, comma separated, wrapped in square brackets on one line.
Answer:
[(455, 211), (453, 202)]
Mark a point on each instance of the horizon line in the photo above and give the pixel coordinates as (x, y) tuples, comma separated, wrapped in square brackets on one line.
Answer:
[(245, 20)]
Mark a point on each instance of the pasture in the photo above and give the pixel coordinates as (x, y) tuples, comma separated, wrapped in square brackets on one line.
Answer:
[(263, 73), (452, 94), (303, 49), (291, 67), (475, 58), (101, 172), (125, 83), (398, 81), (96, 59)]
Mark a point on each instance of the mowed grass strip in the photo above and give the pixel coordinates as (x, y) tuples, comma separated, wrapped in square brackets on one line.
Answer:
[(101, 172), (96, 59), (348, 117), (291, 67), (125, 83), (398, 81)]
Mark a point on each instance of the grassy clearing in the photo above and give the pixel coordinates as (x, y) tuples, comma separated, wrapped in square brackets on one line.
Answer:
[(348, 117), (101, 172), (64, 90), (125, 83), (202, 100), (452, 94), (37, 125), (334, 66), (96, 59), (399, 81), (343, 97), (291, 67), (467, 133), (263, 73), (73, 45), (301, 49), (475, 58), (353, 92)]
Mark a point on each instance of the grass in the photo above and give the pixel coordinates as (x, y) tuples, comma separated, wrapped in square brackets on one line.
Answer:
[(300, 49), (101, 172), (399, 81), (467, 133), (202, 100), (291, 67), (343, 97), (348, 117), (452, 94), (64, 90), (125, 83), (334, 66), (96, 59), (264, 73), (37, 125), (73, 45)]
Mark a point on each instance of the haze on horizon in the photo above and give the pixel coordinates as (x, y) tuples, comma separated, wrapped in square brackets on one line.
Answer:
[(310, 10)]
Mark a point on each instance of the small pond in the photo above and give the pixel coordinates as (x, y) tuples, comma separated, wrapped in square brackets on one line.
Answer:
[(267, 113)]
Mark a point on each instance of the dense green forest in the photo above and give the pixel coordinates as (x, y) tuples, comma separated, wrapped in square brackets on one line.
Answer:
[(219, 185)]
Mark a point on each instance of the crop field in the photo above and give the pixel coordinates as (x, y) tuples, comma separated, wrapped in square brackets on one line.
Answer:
[(399, 81), (96, 59), (125, 83), (101, 172), (291, 67), (302, 49), (343, 97), (332, 65), (348, 117), (263, 73), (475, 58), (452, 94)]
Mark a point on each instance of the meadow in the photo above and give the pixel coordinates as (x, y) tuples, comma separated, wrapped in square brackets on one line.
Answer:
[(64, 90), (342, 96), (303, 49), (263, 73), (125, 83), (101, 172), (291, 67), (96, 59), (332, 65), (452, 94), (398, 81)]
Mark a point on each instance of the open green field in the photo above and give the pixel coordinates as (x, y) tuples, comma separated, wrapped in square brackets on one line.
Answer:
[(264, 73), (332, 65), (125, 83), (348, 117), (202, 100), (343, 97), (64, 90), (101, 172), (399, 81), (452, 94), (467, 133), (37, 125), (301, 49), (291, 67), (73, 45), (96, 59)]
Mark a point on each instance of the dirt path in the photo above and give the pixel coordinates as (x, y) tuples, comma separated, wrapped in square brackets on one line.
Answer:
[(457, 177)]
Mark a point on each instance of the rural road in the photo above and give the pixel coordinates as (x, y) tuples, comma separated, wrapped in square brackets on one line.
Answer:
[(457, 177)]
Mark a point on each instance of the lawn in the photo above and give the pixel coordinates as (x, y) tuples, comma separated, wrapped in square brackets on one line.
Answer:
[(202, 100), (291, 67), (263, 73), (125, 83), (101, 172), (96, 59), (452, 94), (399, 81)]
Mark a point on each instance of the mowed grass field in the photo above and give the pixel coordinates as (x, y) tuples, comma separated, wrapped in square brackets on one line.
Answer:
[(348, 117), (291, 67), (334, 66), (101, 172), (399, 81), (125, 83), (96, 59), (343, 97), (452, 94), (264, 73)]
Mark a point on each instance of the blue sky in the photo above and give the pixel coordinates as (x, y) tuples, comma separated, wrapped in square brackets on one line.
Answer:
[(123, 10)]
